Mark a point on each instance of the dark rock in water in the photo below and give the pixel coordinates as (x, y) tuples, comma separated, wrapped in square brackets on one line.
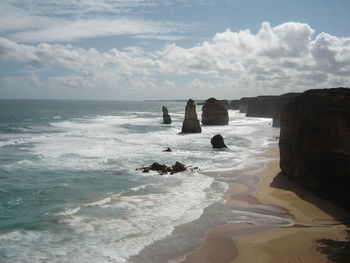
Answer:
[(215, 112), (218, 141), (191, 122), (166, 116), (281, 101), (163, 169), (315, 143), (167, 150), (178, 167)]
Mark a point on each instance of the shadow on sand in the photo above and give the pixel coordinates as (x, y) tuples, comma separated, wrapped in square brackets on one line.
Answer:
[(336, 251)]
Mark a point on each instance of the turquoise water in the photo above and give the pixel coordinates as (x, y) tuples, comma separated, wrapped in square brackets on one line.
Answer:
[(69, 188)]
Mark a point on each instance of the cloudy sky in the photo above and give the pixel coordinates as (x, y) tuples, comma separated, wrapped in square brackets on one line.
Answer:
[(171, 49)]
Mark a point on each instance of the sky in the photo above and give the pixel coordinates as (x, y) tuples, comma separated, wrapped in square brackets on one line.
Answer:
[(171, 49)]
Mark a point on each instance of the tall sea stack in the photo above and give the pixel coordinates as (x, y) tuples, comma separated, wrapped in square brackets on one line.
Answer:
[(166, 116), (315, 143), (191, 123), (214, 112)]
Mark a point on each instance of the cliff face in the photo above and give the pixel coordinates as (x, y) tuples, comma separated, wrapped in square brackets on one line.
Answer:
[(243, 105), (315, 143), (191, 123), (262, 106), (215, 112), (281, 101), (234, 104)]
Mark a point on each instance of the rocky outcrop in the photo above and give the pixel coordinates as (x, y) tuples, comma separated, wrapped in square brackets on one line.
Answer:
[(281, 101), (191, 123), (315, 143), (218, 141), (215, 112), (262, 106), (166, 116), (164, 169)]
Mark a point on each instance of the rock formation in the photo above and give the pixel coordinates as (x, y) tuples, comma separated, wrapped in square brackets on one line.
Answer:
[(218, 141), (166, 116), (315, 143), (281, 101), (191, 122), (243, 105), (215, 112), (163, 169), (262, 106)]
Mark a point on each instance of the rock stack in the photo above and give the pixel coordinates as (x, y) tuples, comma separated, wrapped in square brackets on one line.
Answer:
[(166, 116), (214, 112), (191, 122), (315, 143), (218, 141)]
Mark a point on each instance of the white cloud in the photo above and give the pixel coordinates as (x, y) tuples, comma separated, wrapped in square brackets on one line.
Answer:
[(78, 29), (274, 60), (35, 21), (54, 20)]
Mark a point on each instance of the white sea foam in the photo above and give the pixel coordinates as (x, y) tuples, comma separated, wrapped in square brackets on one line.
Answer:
[(100, 202), (143, 219), (68, 211)]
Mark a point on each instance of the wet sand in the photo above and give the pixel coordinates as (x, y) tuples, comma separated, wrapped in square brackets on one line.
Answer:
[(241, 243)]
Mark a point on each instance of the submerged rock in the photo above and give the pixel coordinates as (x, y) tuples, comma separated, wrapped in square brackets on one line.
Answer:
[(218, 141), (215, 112), (191, 123), (166, 116), (315, 143)]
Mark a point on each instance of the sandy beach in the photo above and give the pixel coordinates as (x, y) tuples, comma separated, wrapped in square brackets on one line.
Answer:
[(313, 219)]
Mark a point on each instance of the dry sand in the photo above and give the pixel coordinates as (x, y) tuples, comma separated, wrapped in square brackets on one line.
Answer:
[(314, 219)]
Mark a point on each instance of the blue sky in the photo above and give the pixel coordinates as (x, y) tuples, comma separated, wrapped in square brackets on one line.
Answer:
[(171, 49)]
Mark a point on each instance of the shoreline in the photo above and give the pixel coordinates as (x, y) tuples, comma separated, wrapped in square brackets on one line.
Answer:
[(240, 243)]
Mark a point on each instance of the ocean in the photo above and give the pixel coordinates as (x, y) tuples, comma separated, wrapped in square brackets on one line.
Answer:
[(70, 190)]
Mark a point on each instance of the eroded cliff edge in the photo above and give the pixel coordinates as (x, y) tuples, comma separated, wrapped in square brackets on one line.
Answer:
[(315, 143)]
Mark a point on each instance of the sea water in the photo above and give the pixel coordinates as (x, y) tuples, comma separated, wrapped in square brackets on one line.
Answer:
[(70, 191)]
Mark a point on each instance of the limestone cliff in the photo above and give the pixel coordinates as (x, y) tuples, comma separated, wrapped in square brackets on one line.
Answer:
[(215, 112), (281, 101), (315, 143), (234, 105), (243, 105), (262, 106)]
